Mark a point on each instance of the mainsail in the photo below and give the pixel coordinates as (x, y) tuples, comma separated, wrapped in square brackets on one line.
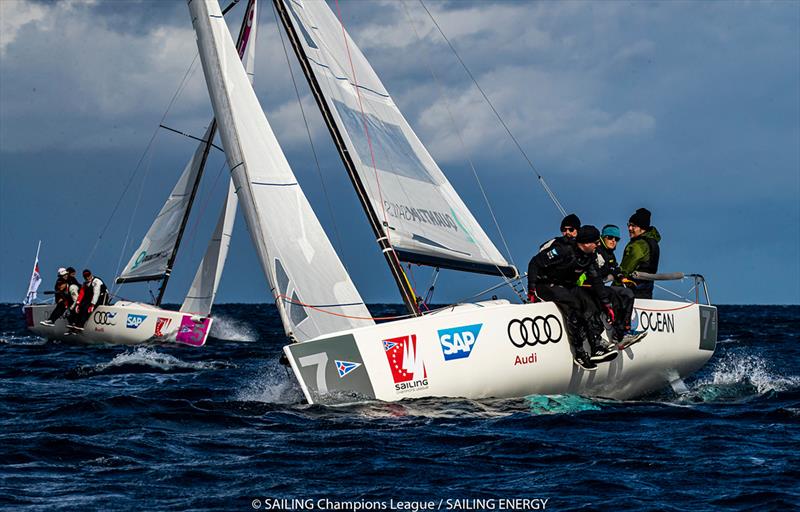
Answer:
[(312, 290), (423, 217)]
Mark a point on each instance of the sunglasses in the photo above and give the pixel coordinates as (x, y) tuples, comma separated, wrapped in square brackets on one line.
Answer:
[(569, 229), (611, 238)]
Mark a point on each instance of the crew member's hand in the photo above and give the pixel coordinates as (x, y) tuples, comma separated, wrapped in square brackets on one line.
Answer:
[(532, 296), (609, 312), (91, 308)]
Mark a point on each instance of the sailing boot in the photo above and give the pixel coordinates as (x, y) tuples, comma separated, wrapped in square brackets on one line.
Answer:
[(602, 350), (582, 360), (631, 337), (577, 333)]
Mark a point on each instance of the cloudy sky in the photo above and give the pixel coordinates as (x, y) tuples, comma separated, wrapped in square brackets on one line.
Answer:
[(691, 109)]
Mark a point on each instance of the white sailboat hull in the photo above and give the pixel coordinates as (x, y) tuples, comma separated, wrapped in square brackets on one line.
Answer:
[(124, 323), (497, 349)]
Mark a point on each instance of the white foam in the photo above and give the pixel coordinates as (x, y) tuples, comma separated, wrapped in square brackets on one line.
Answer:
[(226, 328), (743, 368), (146, 356), (273, 386)]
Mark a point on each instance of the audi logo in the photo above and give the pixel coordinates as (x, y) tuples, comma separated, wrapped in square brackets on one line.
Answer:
[(104, 317), (530, 331)]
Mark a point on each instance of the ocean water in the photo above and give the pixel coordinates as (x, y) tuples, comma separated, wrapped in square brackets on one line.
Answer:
[(225, 428)]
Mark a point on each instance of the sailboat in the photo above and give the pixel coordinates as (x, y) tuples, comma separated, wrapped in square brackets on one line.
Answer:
[(338, 353), (127, 322)]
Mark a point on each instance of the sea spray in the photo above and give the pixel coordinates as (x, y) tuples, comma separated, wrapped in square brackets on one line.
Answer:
[(230, 329)]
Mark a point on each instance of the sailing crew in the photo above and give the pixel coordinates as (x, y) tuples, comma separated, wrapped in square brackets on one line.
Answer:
[(553, 276), (92, 294), (642, 252), (621, 297), (71, 279), (570, 225), (62, 298)]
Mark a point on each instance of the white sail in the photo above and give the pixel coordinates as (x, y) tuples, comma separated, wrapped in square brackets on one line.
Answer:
[(206, 280), (312, 290), (425, 219), (149, 261), (203, 290)]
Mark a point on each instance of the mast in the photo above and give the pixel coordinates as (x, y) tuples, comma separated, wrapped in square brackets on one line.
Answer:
[(381, 234), (241, 42)]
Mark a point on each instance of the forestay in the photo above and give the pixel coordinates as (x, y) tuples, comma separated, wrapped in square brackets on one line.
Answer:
[(149, 262), (303, 270), (203, 290), (427, 221)]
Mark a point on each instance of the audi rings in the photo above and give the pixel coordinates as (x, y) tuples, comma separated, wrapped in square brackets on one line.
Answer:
[(530, 331), (104, 317)]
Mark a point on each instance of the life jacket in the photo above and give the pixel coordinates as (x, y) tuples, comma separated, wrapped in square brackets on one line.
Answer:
[(651, 265)]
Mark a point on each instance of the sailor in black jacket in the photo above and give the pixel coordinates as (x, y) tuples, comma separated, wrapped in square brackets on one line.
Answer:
[(553, 276)]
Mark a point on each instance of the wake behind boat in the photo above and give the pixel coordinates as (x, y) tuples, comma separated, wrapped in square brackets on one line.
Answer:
[(486, 349)]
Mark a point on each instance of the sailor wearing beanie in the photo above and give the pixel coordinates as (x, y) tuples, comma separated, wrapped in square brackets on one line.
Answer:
[(642, 252)]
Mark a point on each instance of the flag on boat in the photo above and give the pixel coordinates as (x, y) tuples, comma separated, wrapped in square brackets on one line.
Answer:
[(36, 280)]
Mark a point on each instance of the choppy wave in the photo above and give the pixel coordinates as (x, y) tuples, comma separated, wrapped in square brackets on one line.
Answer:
[(741, 376), (146, 360), (176, 428), (272, 385)]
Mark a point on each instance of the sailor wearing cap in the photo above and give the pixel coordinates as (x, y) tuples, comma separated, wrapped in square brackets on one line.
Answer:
[(553, 276)]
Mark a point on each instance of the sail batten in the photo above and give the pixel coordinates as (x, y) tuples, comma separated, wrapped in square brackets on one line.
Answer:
[(420, 212), (293, 249)]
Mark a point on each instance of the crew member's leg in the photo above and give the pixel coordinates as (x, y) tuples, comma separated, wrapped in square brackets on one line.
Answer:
[(570, 304)]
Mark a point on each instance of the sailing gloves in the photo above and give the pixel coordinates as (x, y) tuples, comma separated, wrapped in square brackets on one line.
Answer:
[(532, 296), (609, 312)]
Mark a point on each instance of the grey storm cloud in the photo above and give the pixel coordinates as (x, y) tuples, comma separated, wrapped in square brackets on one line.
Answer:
[(689, 108)]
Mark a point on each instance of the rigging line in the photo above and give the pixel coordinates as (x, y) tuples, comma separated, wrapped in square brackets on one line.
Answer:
[(308, 132), (284, 298), (496, 113), (670, 291), (204, 204), (371, 150), (191, 137), (135, 171), (460, 139), (130, 224), (471, 164)]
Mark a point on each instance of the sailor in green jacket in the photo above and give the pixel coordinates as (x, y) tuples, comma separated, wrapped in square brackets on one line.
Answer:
[(642, 252)]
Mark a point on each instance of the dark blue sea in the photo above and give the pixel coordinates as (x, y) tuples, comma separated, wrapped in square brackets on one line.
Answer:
[(225, 428)]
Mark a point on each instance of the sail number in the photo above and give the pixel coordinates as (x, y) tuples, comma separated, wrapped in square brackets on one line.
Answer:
[(320, 361)]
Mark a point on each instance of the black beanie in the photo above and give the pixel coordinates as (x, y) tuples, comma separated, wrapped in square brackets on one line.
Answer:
[(587, 234), (641, 218), (572, 221)]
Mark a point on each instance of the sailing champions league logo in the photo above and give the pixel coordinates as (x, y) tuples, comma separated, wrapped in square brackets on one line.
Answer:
[(162, 324), (408, 368), (458, 342)]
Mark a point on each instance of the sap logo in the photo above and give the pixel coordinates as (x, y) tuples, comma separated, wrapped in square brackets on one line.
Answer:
[(458, 342), (134, 321)]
